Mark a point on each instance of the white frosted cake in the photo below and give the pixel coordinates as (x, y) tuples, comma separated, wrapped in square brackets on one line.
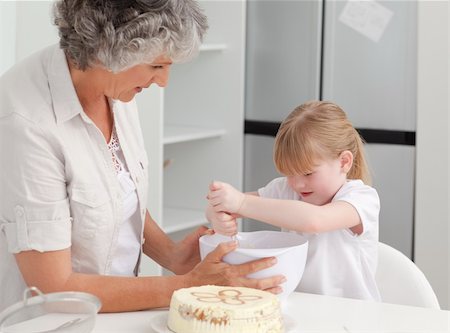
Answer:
[(209, 309)]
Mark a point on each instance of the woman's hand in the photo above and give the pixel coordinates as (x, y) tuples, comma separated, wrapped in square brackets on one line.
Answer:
[(222, 223), (186, 253), (212, 270), (225, 198)]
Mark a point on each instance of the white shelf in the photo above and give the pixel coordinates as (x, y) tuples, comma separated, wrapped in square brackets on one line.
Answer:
[(178, 219), (213, 47), (176, 134), (196, 122)]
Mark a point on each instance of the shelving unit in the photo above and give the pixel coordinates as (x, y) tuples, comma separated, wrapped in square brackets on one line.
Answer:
[(177, 134), (172, 216), (196, 123)]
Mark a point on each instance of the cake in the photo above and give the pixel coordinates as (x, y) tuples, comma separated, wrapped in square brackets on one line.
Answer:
[(209, 309)]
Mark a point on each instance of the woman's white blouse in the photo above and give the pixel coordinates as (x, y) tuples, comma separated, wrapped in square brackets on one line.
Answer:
[(58, 185), (128, 246)]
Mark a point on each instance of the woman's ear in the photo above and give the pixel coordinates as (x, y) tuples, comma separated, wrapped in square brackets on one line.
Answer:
[(346, 159)]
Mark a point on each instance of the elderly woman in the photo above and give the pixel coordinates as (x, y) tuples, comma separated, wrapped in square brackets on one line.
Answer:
[(73, 172)]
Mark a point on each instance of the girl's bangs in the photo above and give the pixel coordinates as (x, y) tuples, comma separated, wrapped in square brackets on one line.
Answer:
[(297, 157)]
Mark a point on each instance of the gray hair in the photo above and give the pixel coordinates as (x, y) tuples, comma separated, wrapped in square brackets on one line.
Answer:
[(119, 34)]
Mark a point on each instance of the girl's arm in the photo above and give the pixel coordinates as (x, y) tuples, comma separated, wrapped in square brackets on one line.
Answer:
[(289, 214), (299, 215)]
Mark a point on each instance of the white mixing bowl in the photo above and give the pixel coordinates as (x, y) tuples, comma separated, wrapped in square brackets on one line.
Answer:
[(290, 249)]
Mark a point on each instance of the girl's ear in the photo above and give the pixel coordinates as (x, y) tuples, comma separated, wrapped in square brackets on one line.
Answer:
[(346, 159)]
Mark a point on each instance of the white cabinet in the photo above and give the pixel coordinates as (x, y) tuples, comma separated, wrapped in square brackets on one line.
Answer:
[(195, 125)]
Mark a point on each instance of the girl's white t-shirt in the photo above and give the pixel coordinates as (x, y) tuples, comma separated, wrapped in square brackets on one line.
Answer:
[(340, 263)]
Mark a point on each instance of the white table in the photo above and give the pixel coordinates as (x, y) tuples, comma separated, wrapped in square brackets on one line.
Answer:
[(312, 313)]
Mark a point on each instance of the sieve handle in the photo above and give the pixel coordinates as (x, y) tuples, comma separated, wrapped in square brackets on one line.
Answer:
[(27, 294)]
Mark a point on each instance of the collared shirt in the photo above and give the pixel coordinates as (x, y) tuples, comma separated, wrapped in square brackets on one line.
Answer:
[(58, 185)]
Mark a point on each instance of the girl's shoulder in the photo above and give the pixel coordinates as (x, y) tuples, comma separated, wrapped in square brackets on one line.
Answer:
[(356, 192), (357, 186)]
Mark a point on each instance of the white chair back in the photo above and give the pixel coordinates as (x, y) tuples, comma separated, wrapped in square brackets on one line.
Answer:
[(400, 281)]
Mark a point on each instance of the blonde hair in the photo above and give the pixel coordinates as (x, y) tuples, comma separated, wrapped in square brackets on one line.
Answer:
[(314, 131)]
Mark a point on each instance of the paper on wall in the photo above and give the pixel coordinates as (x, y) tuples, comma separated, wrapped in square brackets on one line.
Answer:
[(367, 17)]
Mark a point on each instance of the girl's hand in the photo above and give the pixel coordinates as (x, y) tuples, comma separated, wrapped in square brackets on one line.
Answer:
[(225, 198), (222, 223)]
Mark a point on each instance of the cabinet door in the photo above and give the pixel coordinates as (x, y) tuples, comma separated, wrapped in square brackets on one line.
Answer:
[(392, 168), (283, 57), (374, 82)]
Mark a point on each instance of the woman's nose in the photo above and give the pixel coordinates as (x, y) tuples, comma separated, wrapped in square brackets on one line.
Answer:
[(162, 78)]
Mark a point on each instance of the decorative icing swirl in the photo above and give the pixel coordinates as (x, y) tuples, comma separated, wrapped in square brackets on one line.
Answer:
[(227, 296)]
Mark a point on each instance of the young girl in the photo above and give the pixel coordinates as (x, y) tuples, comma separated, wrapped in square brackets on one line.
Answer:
[(324, 195)]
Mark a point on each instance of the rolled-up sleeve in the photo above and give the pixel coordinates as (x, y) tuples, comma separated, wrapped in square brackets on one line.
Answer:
[(34, 208)]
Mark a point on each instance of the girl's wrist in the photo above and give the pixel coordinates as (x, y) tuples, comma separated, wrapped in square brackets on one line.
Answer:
[(241, 206)]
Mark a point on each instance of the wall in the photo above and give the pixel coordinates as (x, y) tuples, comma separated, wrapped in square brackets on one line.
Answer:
[(7, 35), (432, 142), (34, 29), (25, 27)]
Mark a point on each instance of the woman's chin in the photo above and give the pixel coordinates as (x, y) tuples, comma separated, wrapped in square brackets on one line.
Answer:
[(126, 98)]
